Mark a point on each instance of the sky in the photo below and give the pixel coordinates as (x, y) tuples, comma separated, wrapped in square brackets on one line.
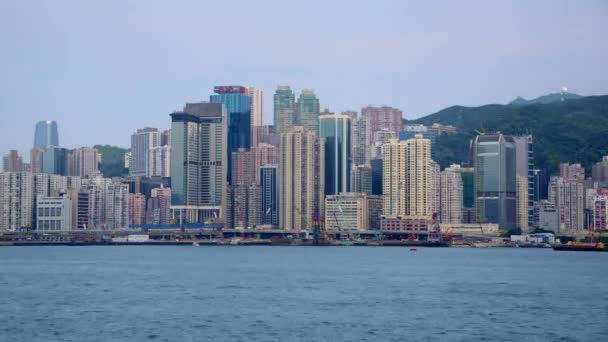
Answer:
[(103, 69)]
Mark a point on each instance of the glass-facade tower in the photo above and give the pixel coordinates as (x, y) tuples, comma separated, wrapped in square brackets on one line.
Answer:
[(307, 111), (46, 134), (197, 157), (336, 130), (284, 109), (495, 180), (269, 194), (238, 106)]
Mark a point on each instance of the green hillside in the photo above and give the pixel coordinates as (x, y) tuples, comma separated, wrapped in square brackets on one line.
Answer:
[(112, 160), (565, 131)]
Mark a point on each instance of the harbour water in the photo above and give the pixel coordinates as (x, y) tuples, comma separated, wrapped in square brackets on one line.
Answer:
[(186, 293)]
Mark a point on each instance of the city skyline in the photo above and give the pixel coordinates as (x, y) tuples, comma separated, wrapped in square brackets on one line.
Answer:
[(131, 73)]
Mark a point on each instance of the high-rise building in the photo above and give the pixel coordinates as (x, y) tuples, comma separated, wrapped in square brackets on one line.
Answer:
[(254, 205), (302, 179), (269, 194), (36, 159), (238, 107), (407, 178), (495, 180), (307, 111), (599, 171), (142, 141), (434, 188), (380, 138), (159, 161), (46, 134), (53, 213), (600, 212), (522, 202), (243, 167), (524, 155), (469, 214), (243, 178), (157, 210), (257, 114), (117, 206), (12, 162), (451, 195), (377, 174), (362, 179), (410, 131), (16, 201), (568, 196), (84, 162), (361, 140), (284, 109), (54, 161), (137, 209), (336, 129), (265, 154), (572, 171), (198, 162), (384, 118)]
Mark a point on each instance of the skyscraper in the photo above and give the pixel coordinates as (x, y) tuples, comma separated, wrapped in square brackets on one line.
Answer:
[(495, 180), (361, 141), (284, 109), (198, 161), (238, 106), (54, 161), (572, 171), (302, 179), (84, 162), (307, 111), (269, 196), (524, 155), (362, 179), (380, 138), (435, 187), (568, 195), (243, 178), (407, 178), (46, 134), (384, 118), (117, 212), (336, 129), (12, 162), (599, 171), (451, 195), (159, 161), (410, 131), (142, 141), (257, 114)]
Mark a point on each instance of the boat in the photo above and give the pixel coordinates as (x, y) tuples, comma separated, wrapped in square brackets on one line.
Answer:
[(413, 249), (581, 246), (195, 244)]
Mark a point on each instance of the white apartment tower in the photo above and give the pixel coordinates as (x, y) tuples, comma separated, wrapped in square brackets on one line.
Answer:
[(451, 195), (302, 179), (407, 178)]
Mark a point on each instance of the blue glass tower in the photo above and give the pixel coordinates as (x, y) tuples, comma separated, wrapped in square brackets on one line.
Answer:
[(335, 129), (46, 134), (269, 194), (238, 106)]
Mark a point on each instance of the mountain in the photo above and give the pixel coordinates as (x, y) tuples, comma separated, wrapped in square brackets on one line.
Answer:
[(545, 99), (565, 131), (112, 160)]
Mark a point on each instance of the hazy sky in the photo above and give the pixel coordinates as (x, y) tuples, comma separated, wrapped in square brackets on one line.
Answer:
[(105, 68)]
